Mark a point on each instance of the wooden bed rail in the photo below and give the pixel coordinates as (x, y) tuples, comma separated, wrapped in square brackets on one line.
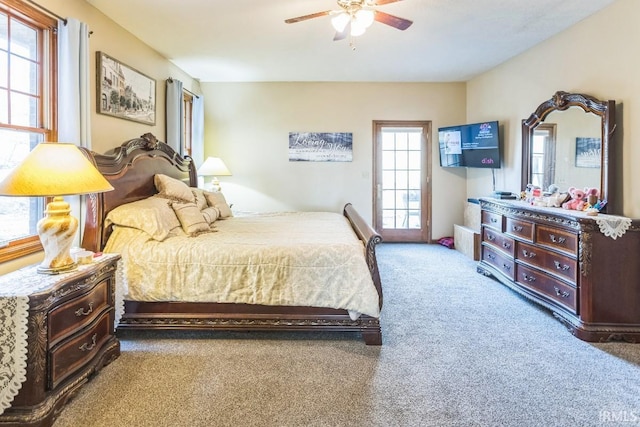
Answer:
[(370, 238)]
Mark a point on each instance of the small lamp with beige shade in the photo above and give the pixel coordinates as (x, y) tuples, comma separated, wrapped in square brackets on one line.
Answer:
[(214, 166), (55, 170)]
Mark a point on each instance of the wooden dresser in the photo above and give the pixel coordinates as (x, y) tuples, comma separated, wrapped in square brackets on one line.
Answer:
[(70, 336), (565, 261)]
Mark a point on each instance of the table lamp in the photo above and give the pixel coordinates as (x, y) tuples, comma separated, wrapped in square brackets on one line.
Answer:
[(55, 170), (214, 166)]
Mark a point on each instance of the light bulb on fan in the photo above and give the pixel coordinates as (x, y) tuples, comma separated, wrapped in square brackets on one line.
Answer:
[(340, 21), (365, 17)]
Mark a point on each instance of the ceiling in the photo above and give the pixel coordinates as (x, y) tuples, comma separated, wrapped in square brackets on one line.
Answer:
[(248, 40)]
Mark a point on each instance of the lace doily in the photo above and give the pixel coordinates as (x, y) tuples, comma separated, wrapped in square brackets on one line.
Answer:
[(613, 226), (121, 291), (13, 347)]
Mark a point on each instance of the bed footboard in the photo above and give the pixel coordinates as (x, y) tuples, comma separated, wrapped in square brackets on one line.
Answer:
[(370, 238)]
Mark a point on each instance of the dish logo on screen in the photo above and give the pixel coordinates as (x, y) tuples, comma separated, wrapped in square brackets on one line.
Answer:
[(488, 161)]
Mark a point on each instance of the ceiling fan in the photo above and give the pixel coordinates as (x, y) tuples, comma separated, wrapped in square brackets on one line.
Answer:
[(355, 16)]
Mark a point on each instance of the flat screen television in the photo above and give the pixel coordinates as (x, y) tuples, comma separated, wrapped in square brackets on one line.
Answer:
[(471, 146)]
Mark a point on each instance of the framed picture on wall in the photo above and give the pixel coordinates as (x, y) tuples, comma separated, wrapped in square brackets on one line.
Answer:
[(320, 146), (588, 152), (124, 92)]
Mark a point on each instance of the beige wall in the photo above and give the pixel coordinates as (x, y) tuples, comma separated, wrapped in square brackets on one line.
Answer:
[(248, 124), (108, 132), (598, 57), (112, 39)]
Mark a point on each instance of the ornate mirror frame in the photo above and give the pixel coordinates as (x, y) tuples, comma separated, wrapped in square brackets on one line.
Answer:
[(606, 111)]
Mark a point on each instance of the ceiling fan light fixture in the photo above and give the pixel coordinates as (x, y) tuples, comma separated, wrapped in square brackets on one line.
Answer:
[(340, 21), (357, 29), (364, 17)]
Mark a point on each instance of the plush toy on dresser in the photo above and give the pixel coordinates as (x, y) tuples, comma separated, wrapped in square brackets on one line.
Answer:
[(576, 202)]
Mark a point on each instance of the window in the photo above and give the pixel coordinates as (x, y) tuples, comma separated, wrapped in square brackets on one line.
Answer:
[(543, 155), (27, 114), (187, 122)]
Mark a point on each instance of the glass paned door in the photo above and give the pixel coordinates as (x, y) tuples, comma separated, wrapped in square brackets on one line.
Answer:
[(401, 165), (401, 181)]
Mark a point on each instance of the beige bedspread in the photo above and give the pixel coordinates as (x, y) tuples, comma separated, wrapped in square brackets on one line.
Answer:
[(292, 258)]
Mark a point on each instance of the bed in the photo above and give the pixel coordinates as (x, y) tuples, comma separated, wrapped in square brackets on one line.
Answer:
[(133, 169)]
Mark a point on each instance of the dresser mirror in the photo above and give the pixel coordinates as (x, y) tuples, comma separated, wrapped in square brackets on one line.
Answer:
[(567, 141)]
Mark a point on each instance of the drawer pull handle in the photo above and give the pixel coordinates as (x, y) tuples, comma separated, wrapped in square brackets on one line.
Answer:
[(528, 254), (528, 278), (82, 312), (555, 239), (491, 237), (506, 267), (563, 294), (517, 228), (506, 245), (87, 346), (559, 266), (493, 220), (491, 256)]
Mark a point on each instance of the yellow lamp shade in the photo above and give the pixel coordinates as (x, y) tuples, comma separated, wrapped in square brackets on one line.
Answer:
[(55, 169)]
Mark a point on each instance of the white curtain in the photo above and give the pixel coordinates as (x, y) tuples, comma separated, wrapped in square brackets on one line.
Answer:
[(175, 131), (197, 132), (74, 111)]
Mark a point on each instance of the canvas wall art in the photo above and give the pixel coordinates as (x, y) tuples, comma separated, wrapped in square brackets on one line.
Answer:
[(124, 92), (588, 152), (320, 146)]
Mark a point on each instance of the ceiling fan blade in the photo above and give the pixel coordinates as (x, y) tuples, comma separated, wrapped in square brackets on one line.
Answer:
[(394, 21), (305, 17), (381, 2)]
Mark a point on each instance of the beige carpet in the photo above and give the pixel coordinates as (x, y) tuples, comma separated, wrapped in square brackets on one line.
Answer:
[(459, 350)]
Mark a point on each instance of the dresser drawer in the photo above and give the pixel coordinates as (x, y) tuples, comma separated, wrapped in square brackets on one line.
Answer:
[(519, 228), (77, 313), (499, 260), (554, 263), (556, 238), (491, 219), (553, 289), (77, 351), (498, 240)]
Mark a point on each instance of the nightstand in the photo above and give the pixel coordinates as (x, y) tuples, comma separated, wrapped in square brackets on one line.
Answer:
[(62, 327)]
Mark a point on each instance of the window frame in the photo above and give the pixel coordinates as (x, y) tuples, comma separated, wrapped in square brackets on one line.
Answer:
[(47, 111)]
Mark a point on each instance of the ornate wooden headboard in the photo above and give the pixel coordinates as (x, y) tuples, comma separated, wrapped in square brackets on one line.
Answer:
[(130, 169)]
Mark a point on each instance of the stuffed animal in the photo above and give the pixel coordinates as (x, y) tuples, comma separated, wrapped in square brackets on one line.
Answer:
[(576, 201), (557, 199), (591, 197)]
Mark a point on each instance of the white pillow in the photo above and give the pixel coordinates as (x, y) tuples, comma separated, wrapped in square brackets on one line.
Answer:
[(217, 200), (153, 215), (191, 219), (173, 189), (201, 201)]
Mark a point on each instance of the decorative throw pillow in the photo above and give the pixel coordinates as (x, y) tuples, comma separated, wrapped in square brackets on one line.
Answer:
[(152, 215), (217, 200), (447, 242), (192, 221), (210, 214), (201, 201), (173, 189)]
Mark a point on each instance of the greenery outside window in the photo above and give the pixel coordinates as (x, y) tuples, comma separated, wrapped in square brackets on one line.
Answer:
[(27, 113)]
